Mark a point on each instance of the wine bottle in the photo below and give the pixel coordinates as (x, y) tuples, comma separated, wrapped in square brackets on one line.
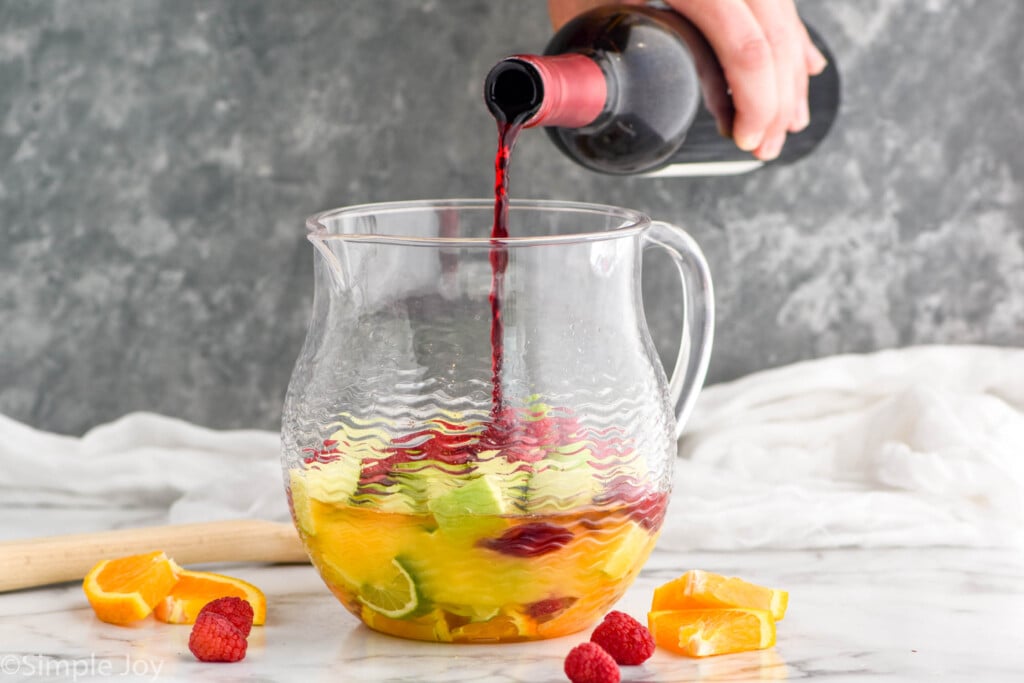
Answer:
[(637, 90)]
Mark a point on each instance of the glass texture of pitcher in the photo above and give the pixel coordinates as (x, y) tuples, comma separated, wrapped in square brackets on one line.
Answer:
[(458, 486)]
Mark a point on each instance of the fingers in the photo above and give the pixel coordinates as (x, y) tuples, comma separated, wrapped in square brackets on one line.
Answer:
[(561, 11), (746, 56), (788, 37), (813, 64), (768, 58), (801, 111), (813, 59), (712, 84), (776, 19)]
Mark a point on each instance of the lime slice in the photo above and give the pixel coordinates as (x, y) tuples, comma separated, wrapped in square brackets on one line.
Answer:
[(395, 596)]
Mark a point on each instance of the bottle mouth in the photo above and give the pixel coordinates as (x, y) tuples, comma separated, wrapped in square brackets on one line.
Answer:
[(514, 91), (568, 90)]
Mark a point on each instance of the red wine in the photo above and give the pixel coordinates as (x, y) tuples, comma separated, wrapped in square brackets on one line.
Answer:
[(510, 121), (508, 132), (627, 90)]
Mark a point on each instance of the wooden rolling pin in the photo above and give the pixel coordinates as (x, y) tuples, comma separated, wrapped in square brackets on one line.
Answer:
[(41, 561)]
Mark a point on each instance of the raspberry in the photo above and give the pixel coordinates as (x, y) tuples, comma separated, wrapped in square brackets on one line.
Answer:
[(588, 663), (529, 540), (215, 639), (236, 610), (545, 610), (624, 638)]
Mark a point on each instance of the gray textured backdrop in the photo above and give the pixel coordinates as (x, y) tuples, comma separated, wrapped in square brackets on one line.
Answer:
[(157, 158)]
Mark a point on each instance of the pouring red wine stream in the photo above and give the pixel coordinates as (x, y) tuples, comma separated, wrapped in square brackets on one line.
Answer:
[(508, 132), (519, 100)]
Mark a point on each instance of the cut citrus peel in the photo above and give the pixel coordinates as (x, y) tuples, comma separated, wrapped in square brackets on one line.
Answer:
[(128, 589), (704, 632), (195, 589), (702, 613), (697, 588), (394, 595)]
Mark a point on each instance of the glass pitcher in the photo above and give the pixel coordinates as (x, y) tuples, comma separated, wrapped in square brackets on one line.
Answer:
[(478, 436)]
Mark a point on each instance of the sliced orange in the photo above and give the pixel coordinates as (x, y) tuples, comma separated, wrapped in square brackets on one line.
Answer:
[(696, 589), (431, 626), (195, 589), (705, 632), (126, 589), (503, 628)]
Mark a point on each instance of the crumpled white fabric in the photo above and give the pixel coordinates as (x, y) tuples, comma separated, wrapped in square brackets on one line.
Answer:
[(910, 447), (143, 460)]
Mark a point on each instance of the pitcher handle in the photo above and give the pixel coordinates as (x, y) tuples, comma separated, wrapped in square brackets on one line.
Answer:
[(698, 316)]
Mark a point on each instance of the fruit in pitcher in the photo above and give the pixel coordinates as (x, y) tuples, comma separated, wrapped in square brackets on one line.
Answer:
[(632, 542), (531, 539), (432, 626), (393, 594), (500, 628), (336, 482), (562, 485), (463, 508), (476, 531), (485, 578)]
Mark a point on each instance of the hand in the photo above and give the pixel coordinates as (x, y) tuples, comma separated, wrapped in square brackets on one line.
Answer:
[(766, 55)]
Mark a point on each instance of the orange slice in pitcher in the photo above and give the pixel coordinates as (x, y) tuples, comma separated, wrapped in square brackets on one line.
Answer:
[(195, 589), (128, 588), (701, 589), (705, 632)]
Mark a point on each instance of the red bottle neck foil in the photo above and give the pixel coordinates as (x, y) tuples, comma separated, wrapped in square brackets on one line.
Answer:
[(575, 90)]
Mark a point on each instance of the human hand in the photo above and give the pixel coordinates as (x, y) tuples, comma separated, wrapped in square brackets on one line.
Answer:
[(766, 55)]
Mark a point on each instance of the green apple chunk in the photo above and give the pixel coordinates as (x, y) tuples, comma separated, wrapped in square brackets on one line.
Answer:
[(476, 508), (558, 488), (333, 482)]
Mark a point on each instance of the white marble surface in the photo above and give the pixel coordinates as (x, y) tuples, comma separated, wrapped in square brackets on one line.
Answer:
[(855, 615)]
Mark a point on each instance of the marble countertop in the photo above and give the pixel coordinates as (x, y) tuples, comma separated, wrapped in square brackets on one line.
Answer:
[(855, 615)]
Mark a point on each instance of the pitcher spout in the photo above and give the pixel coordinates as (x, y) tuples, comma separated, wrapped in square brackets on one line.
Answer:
[(329, 260)]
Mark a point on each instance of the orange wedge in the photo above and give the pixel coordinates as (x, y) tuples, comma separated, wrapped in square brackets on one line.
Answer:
[(126, 589), (195, 589), (705, 632), (700, 589)]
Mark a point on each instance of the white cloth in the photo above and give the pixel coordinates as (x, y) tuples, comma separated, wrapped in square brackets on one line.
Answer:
[(145, 460), (911, 447)]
